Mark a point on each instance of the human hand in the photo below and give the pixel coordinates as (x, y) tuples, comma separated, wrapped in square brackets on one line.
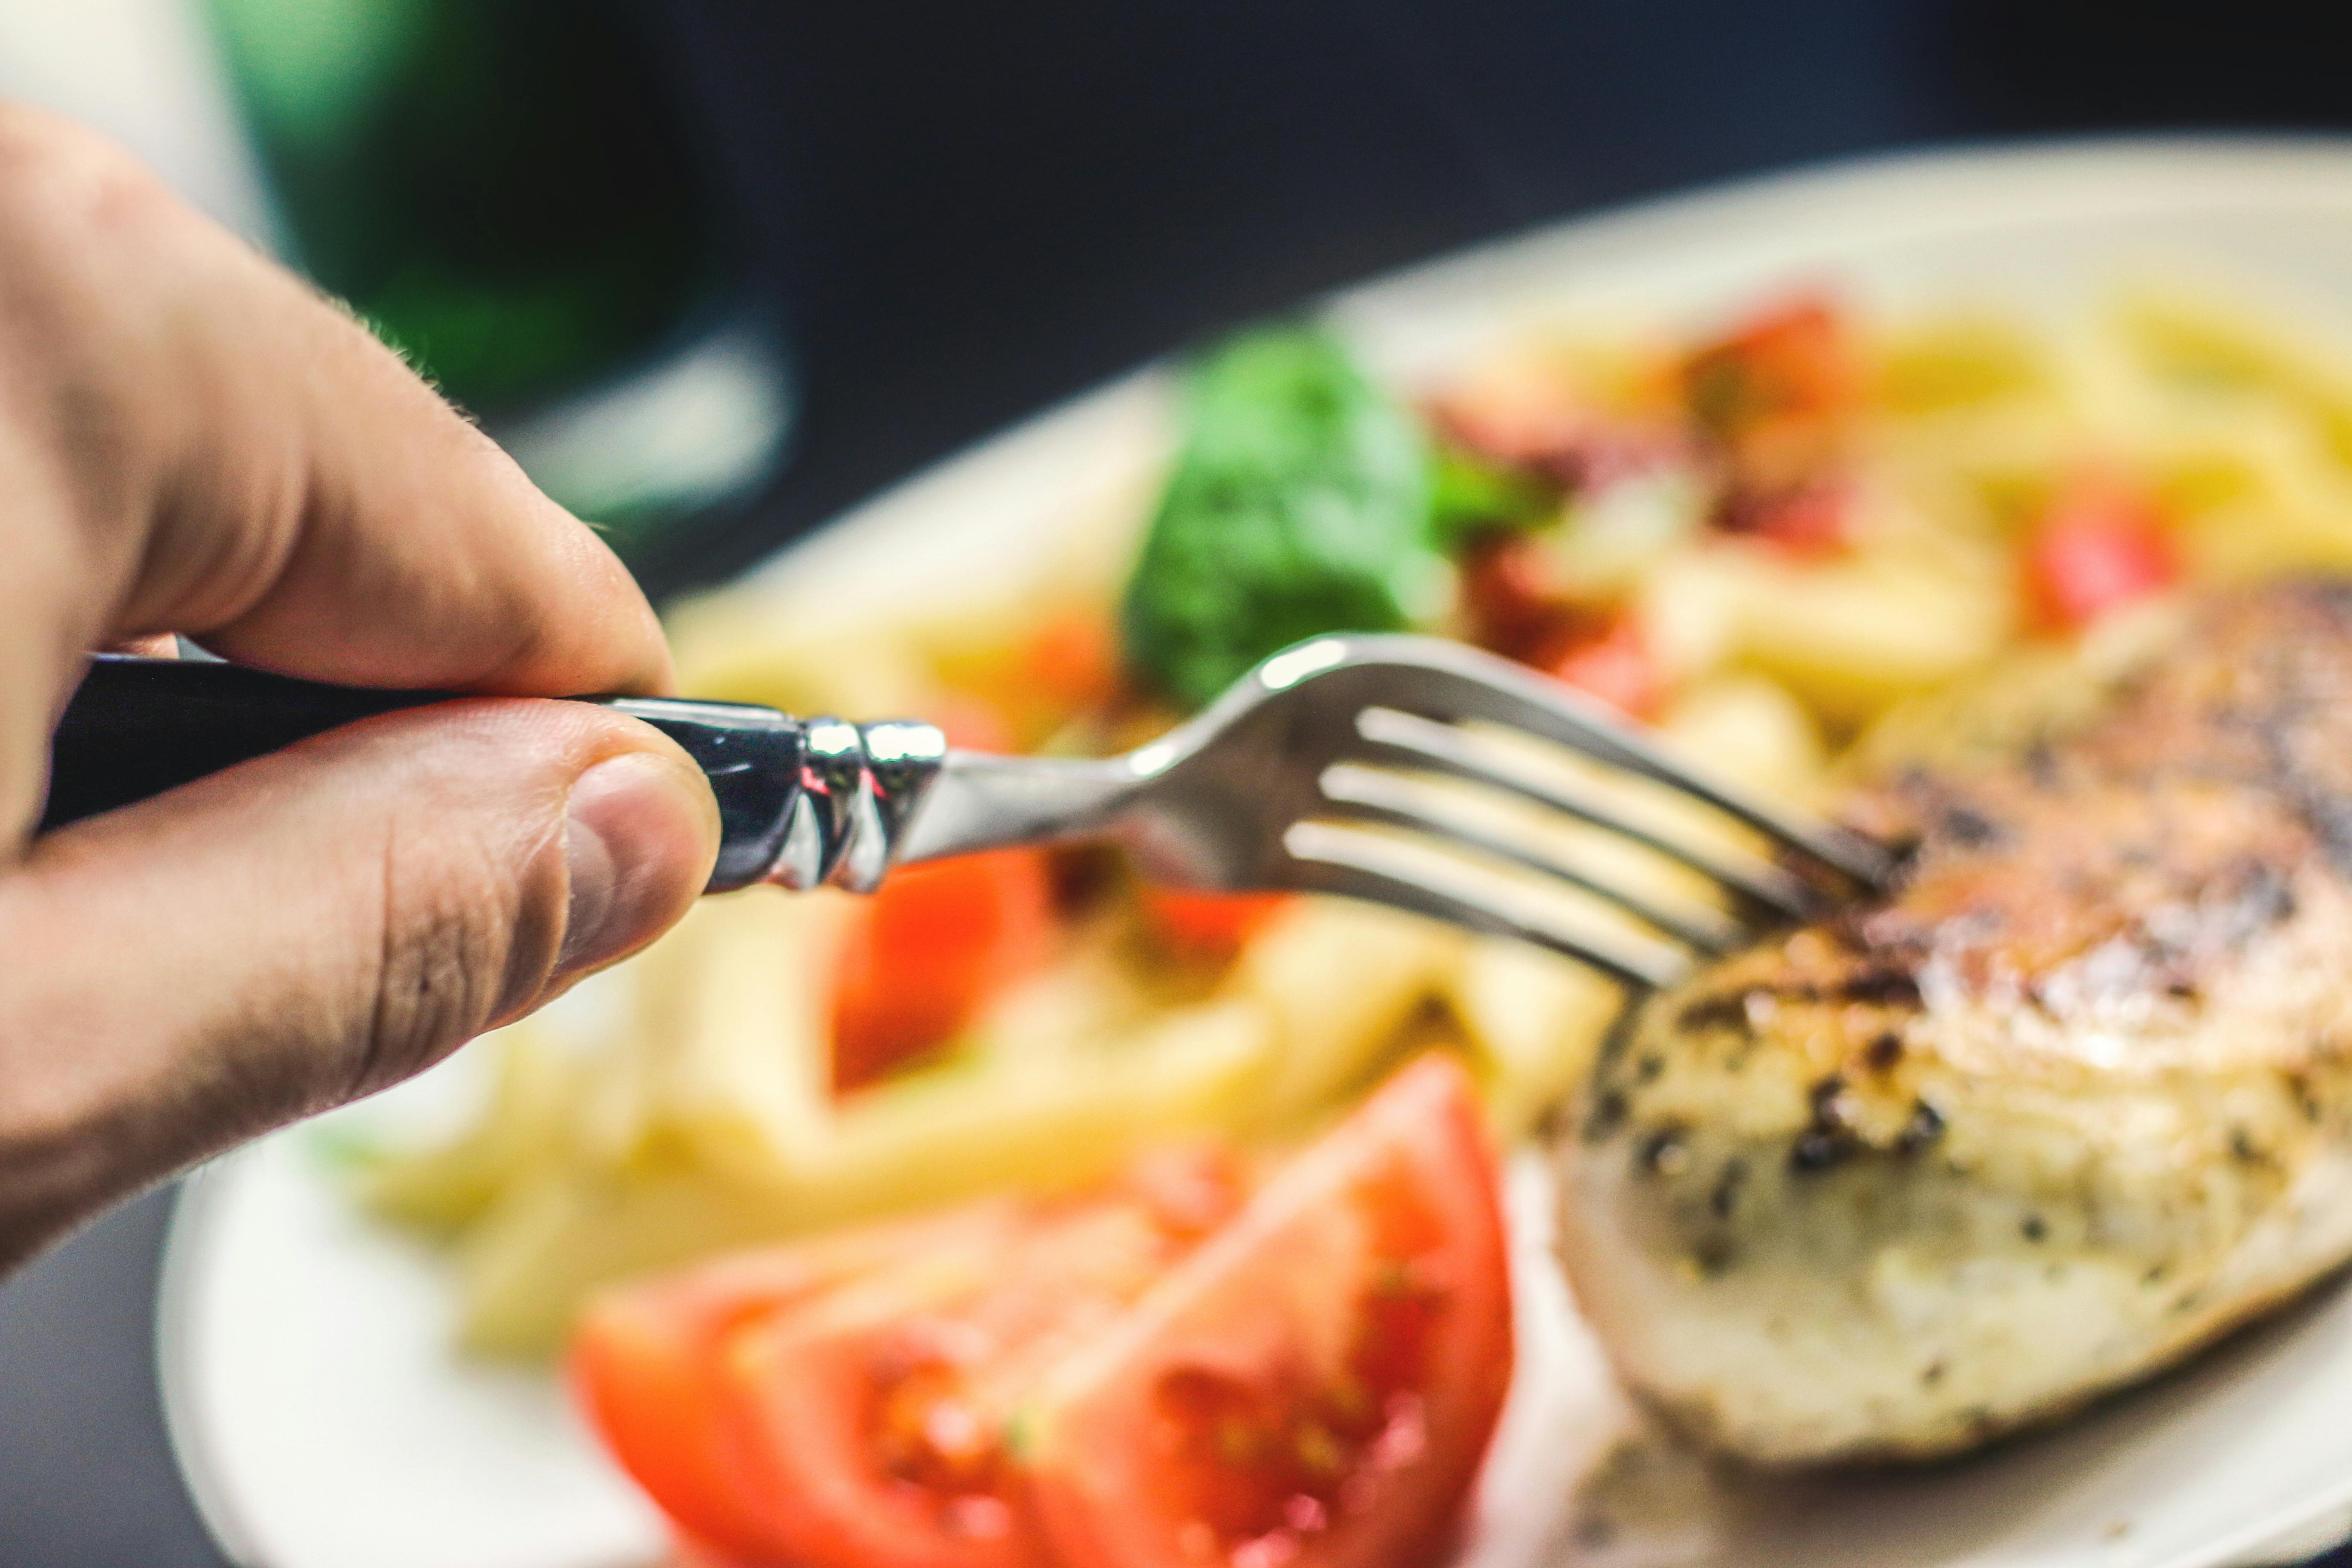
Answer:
[(192, 442)]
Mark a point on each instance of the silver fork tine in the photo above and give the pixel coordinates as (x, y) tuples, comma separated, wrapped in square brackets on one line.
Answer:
[(1365, 796), (1353, 863), (1423, 742), (1465, 683)]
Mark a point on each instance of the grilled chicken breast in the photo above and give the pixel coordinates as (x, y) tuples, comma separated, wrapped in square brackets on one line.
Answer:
[(2070, 1100)]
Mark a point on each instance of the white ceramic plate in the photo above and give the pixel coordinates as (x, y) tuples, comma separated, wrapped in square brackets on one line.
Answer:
[(323, 1425)]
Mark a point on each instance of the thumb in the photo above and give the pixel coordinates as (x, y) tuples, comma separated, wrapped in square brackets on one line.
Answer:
[(315, 925)]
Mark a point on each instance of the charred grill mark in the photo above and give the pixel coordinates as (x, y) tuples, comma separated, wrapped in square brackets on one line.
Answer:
[(1971, 829), (1830, 1139), (1885, 987), (1920, 1133), (2331, 596), (2298, 1088), (2265, 899), (1724, 1010), (1608, 1114), (1816, 1150), (1665, 1153), (1724, 1196), (2042, 766), (1746, 1010), (2328, 814)]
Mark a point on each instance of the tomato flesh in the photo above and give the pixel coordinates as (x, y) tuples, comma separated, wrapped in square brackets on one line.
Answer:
[(2100, 548), (1196, 924), (1613, 663), (1774, 403), (1183, 1368), (1808, 522), (1518, 609), (644, 1355), (1315, 1387), (1796, 360), (1512, 593), (874, 1421), (929, 949)]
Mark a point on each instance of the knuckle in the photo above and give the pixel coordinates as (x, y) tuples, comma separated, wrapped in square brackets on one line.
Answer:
[(81, 225), (65, 190)]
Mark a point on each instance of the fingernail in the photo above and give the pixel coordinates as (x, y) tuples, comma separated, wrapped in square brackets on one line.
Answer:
[(636, 840)]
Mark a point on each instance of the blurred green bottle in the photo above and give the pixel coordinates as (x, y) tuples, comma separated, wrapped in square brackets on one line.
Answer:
[(504, 190)]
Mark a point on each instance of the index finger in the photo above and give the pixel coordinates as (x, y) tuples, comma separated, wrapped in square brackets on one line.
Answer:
[(194, 442)]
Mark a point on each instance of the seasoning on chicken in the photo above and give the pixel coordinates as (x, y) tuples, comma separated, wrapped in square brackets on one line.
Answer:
[(2073, 1099)]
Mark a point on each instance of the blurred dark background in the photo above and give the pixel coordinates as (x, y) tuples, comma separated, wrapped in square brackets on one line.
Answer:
[(950, 214)]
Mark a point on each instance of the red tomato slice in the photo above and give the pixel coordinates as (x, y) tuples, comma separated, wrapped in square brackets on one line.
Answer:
[(1316, 1386), (1794, 359), (939, 939), (2100, 547), (925, 952), (1072, 661), (1808, 522), (873, 1423), (1214, 925), (644, 1360), (1615, 665), (1518, 609), (1512, 593)]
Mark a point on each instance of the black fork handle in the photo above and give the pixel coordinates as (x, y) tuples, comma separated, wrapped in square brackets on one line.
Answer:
[(137, 727)]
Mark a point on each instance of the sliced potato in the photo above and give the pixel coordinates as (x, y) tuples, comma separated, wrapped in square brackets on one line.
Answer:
[(443, 1187), (1849, 638), (955, 1130), (551, 1239), (1535, 1020), (1751, 731), (1338, 979), (1960, 361), (2197, 341), (734, 1017), (932, 1138)]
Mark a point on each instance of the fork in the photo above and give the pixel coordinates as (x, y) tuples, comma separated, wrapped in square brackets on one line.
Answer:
[(1323, 770)]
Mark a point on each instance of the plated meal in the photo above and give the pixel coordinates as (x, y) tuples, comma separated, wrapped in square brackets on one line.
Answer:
[(1026, 1213)]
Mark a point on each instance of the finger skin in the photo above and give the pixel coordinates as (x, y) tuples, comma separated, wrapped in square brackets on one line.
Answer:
[(295, 932), (192, 441)]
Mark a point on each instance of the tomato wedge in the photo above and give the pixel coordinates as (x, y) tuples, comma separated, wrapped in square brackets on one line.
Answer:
[(1518, 609), (1315, 1387), (1169, 1372), (872, 1425), (1810, 523), (2100, 547), (1208, 925), (1794, 359), (938, 939), (933, 944), (644, 1355), (1513, 596), (1068, 666), (1614, 664)]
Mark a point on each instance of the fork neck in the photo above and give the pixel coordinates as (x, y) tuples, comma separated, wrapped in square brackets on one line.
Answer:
[(981, 801)]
